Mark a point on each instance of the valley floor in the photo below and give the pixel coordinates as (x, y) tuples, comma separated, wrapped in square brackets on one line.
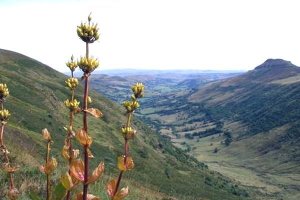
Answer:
[(266, 185)]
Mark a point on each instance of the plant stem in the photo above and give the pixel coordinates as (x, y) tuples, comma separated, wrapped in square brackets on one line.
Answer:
[(87, 50), (2, 125), (69, 137), (126, 151), (85, 127), (1, 135), (68, 197), (69, 142), (10, 175), (48, 175), (118, 182)]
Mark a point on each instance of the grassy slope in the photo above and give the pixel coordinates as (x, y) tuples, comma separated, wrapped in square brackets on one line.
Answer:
[(262, 100), (37, 93), (261, 109)]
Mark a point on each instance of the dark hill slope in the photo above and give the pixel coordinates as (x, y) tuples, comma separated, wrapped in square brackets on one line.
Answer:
[(263, 98), (37, 93), (263, 101)]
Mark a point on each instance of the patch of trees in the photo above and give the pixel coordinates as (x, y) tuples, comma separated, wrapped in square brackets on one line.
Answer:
[(207, 132), (228, 138)]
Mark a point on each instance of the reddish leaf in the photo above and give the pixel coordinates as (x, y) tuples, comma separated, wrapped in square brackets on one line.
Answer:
[(110, 188), (65, 151), (83, 138), (77, 170), (125, 166), (49, 167), (121, 194), (95, 112), (79, 196), (96, 173)]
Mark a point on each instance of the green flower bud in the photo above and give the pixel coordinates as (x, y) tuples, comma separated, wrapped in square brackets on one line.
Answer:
[(72, 64), (4, 92), (88, 65), (72, 83), (88, 32), (4, 115), (130, 106), (72, 104), (138, 90), (128, 132)]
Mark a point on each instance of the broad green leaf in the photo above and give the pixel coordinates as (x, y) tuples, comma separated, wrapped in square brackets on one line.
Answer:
[(34, 196), (59, 192)]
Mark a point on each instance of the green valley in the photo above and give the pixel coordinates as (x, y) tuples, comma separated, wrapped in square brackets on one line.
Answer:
[(244, 126), (163, 171)]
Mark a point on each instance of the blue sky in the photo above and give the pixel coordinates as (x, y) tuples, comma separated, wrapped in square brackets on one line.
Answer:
[(156, 34)]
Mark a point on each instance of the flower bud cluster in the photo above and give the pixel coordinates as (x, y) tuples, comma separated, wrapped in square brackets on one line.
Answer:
[(130, 106), (72, 64), (88, 32), (128, 132), (4, 92), (72, 83), (72, 104), (88, 65), (138, 90), (4, 115)]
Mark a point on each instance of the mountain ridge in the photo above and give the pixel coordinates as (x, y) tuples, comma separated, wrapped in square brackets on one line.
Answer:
[(274, 69)]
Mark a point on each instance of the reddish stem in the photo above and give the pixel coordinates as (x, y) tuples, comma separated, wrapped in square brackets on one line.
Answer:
[(86, 171), (10, 175), (48, 175), (126, 152), (69, 143), (69, 139), (118, 183), (68, 197), (85, 127), (1, 134)]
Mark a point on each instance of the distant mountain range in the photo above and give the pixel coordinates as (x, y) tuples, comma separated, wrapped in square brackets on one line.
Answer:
[(126, 72)]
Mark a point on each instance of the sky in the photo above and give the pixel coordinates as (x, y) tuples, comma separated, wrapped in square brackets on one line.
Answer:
[(155, 34)]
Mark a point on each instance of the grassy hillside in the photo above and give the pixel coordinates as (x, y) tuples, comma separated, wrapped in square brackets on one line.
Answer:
[(36, 102), (261, 111)]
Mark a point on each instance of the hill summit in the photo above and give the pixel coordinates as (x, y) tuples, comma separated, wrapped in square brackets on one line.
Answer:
[(272, 63), (273, 69)]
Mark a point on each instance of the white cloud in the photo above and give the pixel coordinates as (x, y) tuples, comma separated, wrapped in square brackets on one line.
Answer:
[(168, 34)]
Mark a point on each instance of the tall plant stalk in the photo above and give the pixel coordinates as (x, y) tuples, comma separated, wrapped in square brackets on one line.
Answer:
[(50, 163), (125, 162), (68, 152), (48, 175), (85, 127), (79, 170), (7, 166)]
